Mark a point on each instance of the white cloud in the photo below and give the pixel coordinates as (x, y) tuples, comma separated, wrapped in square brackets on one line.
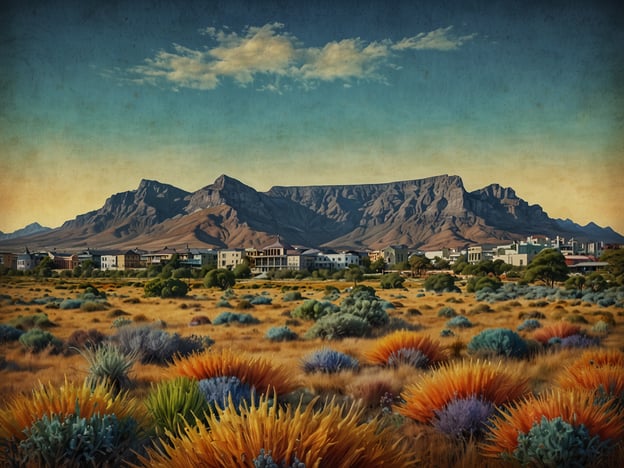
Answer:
[(268, 52)]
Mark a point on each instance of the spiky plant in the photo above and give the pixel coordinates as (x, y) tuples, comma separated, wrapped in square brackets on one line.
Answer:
[(328, 361), (606, 381), (556, 330), (387, 350), (489, 382), (176, 403), (108, 366), (597, 358), (513, 428), (255, 371), (332, 436)]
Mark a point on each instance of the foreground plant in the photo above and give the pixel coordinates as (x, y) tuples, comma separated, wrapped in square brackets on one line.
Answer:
[(405, 347), (556, 330), (70, 425), (458, 398), (333, 436), (108, 366), (561, 428), (254, 371)]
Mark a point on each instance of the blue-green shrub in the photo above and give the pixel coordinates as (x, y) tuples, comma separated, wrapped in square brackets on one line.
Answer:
[(108, 365), (9, 333), (230, 317), (280, 334), (265, 460), (459, 322), (261, 300), (336, 326), (218, 390), (311, 309), (155, 346), (556, 442), (499, 342), (529, 324), (328, 361), (71, 304), (447, 312), (370, 308), (292, 296), (36, 340)]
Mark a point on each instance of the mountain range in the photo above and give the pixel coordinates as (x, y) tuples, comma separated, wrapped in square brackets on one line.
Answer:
[(428, 213)]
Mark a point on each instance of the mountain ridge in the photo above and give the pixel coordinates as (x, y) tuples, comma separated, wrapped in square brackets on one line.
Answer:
[(428, 213)]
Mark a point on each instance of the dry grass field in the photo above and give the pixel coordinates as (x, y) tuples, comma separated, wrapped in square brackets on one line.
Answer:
[(22, 371)]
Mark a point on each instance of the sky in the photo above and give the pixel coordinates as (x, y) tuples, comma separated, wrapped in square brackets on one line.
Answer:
[(95, 96)]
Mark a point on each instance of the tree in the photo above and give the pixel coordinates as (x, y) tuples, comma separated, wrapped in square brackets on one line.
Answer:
[(378, 265), (440, 263), (220, 278), (548, 266), (165, 287), (392, 280), (440, 283), (354, 273), (615, 259), (419, 264), (242, 270)]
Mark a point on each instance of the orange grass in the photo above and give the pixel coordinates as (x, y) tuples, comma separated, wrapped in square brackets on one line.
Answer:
[(402, 339), (80, 399), (597, 358), (557, 329), (574, 407), (493, 383), (255, 371), (333, 436)]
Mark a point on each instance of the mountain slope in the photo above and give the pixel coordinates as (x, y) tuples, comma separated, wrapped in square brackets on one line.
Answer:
[(427, 213)]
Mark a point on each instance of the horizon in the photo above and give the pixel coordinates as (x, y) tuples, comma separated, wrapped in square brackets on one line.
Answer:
[(98, 97)]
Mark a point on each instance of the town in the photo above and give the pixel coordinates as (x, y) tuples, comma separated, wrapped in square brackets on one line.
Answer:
[(281, 256)]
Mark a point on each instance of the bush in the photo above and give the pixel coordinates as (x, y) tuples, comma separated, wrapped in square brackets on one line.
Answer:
[(579, 341), (463, 418), (442, 282), (71, 304), (261, 300), (529, 324), (199, 320), (231, 317), (447, 312), (121, 322), (175, 404), (60, 440), (370, 308), (328, 361), (165, 287), (25, 322), (9, 333), (218, 390), (391, 281), (93, 306), (556, 442), (312, 309), (408, 356), (109, 366), (341, 325), (80, 339), (499, 342), (280, 334), (477, 283), (155, 346), (459, 322), (292, 296), (220, 278), (35, 340)]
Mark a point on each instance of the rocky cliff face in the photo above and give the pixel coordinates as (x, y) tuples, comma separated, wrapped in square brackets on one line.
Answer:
[(428, 213)]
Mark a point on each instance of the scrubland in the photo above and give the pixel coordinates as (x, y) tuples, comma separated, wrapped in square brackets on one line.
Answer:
[(379, 392)]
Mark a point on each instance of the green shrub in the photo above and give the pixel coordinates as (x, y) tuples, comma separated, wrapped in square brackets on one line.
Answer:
[(169, 287), (36, 340), (311, 309), (174, 404), (447, 312), (292, 296), (25, 322), (121, 322), (369, 307), (341, 325), (391, 281), (477, 283), (459, 322), (442, 282), (109, 366), (231, 317), (601, 327), (555, 442), (59, 440), (280, 334), (71, 304), (93, 306), (498, 342)]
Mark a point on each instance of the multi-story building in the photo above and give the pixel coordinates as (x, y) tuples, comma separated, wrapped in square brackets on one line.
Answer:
[(394, 254), (230, 258), (8, 260)]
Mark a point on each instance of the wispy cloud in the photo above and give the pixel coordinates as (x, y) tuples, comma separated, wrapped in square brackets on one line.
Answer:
[(270, 53)]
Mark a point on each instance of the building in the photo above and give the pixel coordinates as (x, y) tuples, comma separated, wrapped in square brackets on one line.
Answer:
[(8, 260), (230, 258), (64, 261), (518, 254), (394, 254), (158, 257), (197, 258), (272, 257)]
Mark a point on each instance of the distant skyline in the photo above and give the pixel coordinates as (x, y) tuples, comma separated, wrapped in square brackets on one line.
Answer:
[(95, 96)]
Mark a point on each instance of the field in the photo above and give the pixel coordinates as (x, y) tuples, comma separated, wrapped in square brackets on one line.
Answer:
[(413, 308)]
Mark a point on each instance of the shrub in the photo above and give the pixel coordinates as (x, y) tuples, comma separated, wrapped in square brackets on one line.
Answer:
[(59, 440), (155, 346), (499, 342), (71, 304), (261, 300), (408, 356), (442, 282), (556, 442), (447, 312), (480, 309), (556, 330), (391, 281), (199, 320), (80, 339), (265, 460), (311, 309), (601, 327), (401, 346), (292, 296), (529, 324), (477, 283), (459, 322), (579, 341), (219, 390), (369, 308), (165, 287), (223, 304), (93, 306), (446, 332), (463, 417), (9, 333), (108, 366), (328, 361), (25, 322), (36, 340), (280, 334), (121, 322), (175, 404), (244, 304), (230, 317), (341, 325)]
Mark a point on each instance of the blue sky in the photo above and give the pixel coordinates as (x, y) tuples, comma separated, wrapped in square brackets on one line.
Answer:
[(95, 96)]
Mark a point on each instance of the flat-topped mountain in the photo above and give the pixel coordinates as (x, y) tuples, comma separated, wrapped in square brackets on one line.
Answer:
[(427, 213)]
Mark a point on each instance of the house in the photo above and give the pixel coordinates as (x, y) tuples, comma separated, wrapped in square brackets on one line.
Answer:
[(271, 257), (394, 254), (230, 258), (518, 253), (28, 261), (8, 260), (158, 257), (197, 258), (63, 260)]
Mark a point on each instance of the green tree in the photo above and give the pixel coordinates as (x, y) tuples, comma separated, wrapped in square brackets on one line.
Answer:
[(165, 287), (440, 263), (419, 264), (392, 280), (220, 278), (459, 265), (596, 282), (575, 282), (242, 270), (615, 259), (440, 283), (44, 269), (378, 265), (354, 273), (548, 266), (365, 263)]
